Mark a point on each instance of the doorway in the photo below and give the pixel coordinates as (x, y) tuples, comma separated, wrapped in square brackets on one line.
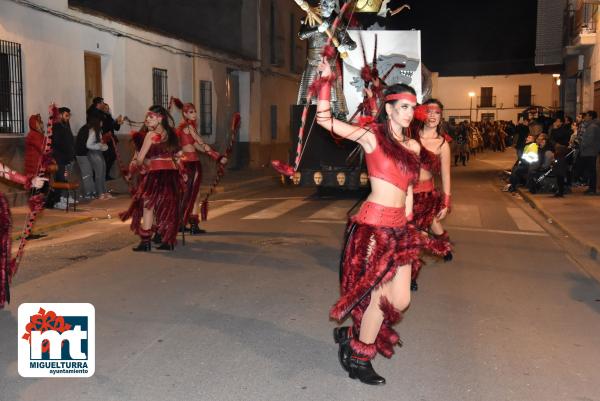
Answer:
[(93, 77)]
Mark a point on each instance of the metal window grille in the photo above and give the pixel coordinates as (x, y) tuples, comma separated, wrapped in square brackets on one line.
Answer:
[(11, 89), (160, 92), (273, 121), (206, 108)]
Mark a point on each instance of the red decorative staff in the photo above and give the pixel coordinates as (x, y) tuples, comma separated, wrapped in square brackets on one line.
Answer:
[(235, 127)]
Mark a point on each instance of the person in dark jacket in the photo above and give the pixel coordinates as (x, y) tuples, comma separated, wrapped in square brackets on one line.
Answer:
[(589, 149), (522, 131), (63, 152), (109, 128)]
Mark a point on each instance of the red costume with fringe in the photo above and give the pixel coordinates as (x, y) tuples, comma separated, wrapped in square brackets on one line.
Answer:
[(7, 267), (428, 202), (379, 240), (160, 187), (193, 170)]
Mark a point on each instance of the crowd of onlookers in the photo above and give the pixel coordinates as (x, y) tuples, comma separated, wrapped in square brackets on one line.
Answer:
[(93, 149), (552, 154), (557, 154)]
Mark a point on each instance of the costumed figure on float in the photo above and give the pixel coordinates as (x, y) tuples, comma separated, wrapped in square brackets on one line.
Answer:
[(155, 206), (191, 143), (320, 28), (380, 243), (431, 206)]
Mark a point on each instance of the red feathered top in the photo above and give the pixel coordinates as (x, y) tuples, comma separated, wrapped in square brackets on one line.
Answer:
[(392, 162), (185, 138), (430, 161)]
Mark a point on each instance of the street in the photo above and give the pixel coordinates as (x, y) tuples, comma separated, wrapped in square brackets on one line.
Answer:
[(241, 313)]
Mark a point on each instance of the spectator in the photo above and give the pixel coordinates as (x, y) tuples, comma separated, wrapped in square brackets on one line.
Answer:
[(589, 148), (95, 148), (63, 151), (34, 145), (85, 166), (109, 126), (559, 133), (560, 169), (522, 131), (527, 162)]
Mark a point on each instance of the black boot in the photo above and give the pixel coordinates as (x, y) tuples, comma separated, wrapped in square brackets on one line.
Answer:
[(456, 160), (195, 229), (165, 247), (341, 336), (144, 245), (360, 363), (362, 369), (413, 285), (448, 257), (157, 239)]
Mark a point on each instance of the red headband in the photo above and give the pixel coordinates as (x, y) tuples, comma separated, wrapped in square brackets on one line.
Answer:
[(434, 107), (401, 96), (153, 114)]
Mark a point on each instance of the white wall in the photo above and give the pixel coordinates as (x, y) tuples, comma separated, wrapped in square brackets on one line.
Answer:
[(53, 62), (453, 92)]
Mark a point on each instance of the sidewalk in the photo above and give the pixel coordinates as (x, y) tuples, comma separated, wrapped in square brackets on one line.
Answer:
[(576, 214), (53, 219)]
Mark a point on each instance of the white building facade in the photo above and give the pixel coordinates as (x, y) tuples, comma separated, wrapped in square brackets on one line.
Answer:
[(494, 97), (51, 52)]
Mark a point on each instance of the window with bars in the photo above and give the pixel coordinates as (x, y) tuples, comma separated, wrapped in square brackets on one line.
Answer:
[(11, 89), (206, 107), (160, 91)]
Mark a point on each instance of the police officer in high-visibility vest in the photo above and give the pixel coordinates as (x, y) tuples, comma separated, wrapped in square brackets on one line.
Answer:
[(528, 161)]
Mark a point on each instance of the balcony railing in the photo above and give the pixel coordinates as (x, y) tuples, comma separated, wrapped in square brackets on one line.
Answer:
[(580, 24), (524, 101), (486, 101)]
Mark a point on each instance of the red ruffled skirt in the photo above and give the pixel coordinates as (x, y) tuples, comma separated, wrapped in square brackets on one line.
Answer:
[(372, 254), (5, 248), (160, 191), (193, 170), (427, 205)]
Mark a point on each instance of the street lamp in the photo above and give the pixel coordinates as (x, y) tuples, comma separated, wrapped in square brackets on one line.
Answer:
[(471, 96)]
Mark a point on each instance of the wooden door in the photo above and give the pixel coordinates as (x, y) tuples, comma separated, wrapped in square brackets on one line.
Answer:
[(93, 77)]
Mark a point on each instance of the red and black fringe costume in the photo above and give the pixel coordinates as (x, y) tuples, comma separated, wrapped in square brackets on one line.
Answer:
[(5, 250), (193, 169), (159, 189), (428, 202), (7, 266), (378, 241)]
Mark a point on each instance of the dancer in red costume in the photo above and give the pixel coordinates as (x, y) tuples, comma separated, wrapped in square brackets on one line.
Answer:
[(430, 205), (191, 143), (157, 198), (7, 268), (380, 243)]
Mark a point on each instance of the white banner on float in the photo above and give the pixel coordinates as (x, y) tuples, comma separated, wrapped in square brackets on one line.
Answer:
[(398, 54)]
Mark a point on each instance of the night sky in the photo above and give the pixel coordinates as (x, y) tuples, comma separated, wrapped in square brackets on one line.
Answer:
[(473, 37)]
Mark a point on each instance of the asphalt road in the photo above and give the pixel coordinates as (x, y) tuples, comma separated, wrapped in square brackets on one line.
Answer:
[(241, 312)]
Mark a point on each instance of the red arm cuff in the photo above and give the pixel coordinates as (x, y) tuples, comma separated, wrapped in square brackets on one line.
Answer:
[(213, 154), (447, 202)]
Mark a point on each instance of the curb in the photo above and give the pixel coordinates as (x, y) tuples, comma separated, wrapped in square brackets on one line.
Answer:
[(527, 197), (52, 227)]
